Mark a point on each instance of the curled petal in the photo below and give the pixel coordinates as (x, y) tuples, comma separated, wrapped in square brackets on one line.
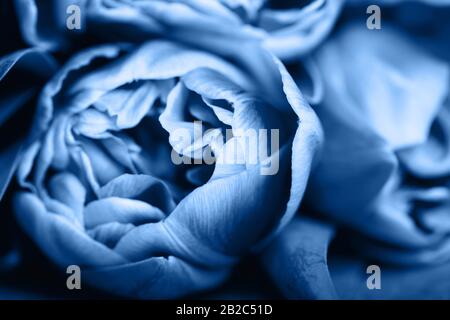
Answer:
[(297, 260), (15, 93), (379, 118), (121, 210), (59, 238)]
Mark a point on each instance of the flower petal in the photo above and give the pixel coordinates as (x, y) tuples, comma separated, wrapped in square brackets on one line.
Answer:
[(297, 260), (58, 238)]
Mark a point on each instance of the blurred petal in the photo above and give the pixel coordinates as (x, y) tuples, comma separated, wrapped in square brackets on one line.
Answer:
[(15, 92), (295, 32), (374, 116), (431, 159), (9, 156), (16, 88), (414, 283), (297, 260), (43, 23), (156, 278)]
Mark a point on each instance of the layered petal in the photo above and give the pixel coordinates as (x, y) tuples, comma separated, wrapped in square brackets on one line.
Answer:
[(15, 93), (178, 228)]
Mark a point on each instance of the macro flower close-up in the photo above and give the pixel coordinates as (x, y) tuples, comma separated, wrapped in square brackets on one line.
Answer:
[(108, 191), (224, 149)]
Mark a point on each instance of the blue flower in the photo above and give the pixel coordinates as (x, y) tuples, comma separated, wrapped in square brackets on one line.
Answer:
[(386, 160), (16, 92), (287, 28), (132, 145), (99, 186)]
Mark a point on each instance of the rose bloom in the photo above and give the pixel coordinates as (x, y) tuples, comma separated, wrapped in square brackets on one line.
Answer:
[(289, 29), (386, 162), (99, 188)]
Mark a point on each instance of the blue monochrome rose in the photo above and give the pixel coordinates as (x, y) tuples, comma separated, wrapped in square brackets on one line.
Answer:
[(386, 162), (101, 188), (155, 143), (382, 178), (288, 28)]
